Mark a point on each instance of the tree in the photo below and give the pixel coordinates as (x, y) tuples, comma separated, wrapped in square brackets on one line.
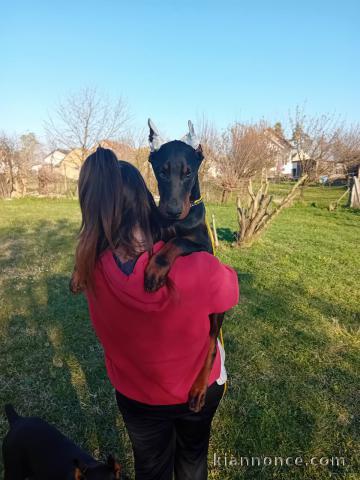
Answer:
[(83, 119), (10, 159), (347, 147), (259, 212), (314, 139), (8, 153), (245, 152), (17, 155), (210, 143), (28, 155)]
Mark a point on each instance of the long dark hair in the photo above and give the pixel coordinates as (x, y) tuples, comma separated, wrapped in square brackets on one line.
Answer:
[(114, 201)]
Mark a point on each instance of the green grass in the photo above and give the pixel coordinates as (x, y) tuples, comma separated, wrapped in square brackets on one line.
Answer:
[(292, 343)]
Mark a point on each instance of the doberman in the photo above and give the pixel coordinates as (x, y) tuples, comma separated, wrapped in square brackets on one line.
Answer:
[(33, 448), (176, 165)]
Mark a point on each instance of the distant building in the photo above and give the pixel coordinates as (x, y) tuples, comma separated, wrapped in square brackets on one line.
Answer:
[(67, 163), (283, 154), (296, 164), (53, 159), (69, 166), (123, 151)]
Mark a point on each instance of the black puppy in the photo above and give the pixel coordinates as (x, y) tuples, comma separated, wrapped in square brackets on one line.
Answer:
[(34, 449), (176, 165)]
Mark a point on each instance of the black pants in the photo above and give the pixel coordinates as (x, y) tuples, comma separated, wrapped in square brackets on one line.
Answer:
[(170, 438)]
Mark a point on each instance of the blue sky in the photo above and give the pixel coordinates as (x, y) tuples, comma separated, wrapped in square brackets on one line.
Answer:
[(174, 60)]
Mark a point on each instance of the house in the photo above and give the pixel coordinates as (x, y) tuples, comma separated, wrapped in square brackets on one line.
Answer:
[(295, 164), (53, 159), (69, 166), (282, 150), (287, 160), (325, 170), (139, 157), (66, 163), (122, 150)]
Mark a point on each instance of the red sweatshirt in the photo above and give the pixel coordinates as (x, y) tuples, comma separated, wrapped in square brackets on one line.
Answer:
[(156, 343)]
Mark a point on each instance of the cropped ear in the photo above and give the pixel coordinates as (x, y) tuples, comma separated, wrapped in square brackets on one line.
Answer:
[(191, 138), (155, 139), (199, 153), (114, 465), (152, 155)]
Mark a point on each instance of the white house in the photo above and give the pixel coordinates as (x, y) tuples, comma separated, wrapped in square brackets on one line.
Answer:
[(54, 158), (283, 154)]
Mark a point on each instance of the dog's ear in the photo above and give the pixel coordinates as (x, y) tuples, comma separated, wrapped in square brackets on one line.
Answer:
[(114, 465), (155, 139), (199, 153), (152, 156)]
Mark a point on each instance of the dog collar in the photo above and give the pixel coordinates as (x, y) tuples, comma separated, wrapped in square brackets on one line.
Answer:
[(196, 202)]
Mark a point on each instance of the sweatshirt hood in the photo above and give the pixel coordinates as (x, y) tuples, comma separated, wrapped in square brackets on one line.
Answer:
[(129, 289)]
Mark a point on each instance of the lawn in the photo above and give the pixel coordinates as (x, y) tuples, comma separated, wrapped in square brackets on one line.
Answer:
[(292, 343)]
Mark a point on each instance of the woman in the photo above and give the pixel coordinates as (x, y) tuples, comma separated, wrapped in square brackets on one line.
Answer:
[(154, 344)]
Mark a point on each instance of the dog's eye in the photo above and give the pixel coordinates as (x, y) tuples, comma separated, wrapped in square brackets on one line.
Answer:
[(163, 174), (188, 173)]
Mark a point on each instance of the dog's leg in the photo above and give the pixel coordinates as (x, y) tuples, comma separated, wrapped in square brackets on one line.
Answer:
[(74, 284), (198, 390), (155, 277), (160, 263)]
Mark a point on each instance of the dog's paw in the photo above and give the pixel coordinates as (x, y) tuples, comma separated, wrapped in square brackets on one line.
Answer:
[(156, 273), (197, 395), (74, 284)]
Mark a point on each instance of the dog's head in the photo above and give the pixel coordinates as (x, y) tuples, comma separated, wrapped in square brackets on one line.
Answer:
[(103, 471), (176, 165)]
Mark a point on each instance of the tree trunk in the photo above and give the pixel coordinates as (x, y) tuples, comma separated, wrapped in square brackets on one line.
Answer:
[(253, 220)]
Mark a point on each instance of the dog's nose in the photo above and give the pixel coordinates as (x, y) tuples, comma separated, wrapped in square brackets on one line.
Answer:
[(173, 213)]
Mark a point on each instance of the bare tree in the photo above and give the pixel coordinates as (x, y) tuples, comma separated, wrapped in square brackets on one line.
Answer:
[(347, 147), (8, 153), (17, 156), (83, 119), (28, 155), (210, 141), (259, 212), (245, 152), (138, 139), (314, 139)]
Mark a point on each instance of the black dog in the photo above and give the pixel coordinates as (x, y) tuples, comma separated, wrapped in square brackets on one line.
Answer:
[(176, 165), (34, 449)]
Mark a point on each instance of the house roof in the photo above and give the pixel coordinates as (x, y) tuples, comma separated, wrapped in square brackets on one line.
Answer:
[(51, 156), (73, 157), (61, 150), (278, 139), (123, 151)]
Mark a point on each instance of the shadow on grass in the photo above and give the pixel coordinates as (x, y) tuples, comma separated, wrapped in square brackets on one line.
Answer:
[(292, 386), (293, 383), (225, 235), (52, 364)]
